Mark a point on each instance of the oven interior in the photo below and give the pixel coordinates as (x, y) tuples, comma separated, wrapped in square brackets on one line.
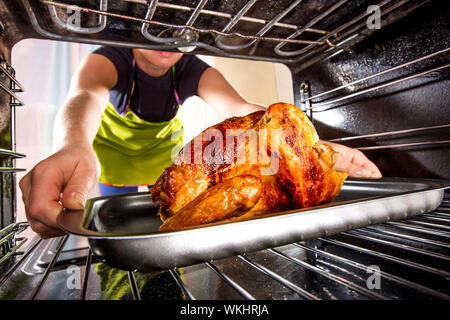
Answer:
[(378, 85)]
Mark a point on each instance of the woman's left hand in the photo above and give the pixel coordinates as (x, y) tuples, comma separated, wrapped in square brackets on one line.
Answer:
[(354, 162)]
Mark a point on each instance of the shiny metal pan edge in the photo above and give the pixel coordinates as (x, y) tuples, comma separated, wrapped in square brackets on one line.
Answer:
[(122, 230)]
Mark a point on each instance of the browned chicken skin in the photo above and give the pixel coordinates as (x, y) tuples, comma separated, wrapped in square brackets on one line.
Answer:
[(261, 163)]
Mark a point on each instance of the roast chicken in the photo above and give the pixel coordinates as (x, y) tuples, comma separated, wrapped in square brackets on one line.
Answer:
[(265, 162)]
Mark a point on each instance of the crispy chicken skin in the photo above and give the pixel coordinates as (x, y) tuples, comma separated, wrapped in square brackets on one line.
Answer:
[(261, 163)]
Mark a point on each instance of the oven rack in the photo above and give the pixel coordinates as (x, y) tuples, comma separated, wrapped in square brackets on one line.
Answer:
[(335, 267), (311, 43), (309, 103)]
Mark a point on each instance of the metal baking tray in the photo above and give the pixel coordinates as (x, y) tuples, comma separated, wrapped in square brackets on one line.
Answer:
[(122, 230)]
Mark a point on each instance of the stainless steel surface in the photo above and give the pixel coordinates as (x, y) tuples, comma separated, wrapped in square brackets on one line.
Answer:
[(123, 229)]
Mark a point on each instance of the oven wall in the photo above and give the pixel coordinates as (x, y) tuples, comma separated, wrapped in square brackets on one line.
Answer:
[(53, 63), (421, 102)]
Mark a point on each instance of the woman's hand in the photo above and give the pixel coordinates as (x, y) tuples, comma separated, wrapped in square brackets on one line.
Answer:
[(354, 162), (62, 180)]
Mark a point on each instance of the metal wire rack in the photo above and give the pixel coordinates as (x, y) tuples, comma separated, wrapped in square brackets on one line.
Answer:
[(275, 36), (410, 256), (310, 104), (9, 243), (13, 88)]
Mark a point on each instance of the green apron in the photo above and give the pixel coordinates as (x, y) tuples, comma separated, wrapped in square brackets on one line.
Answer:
[(132, 151)]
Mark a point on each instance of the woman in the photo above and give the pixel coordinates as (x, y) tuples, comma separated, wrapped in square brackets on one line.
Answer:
[(122, 107)]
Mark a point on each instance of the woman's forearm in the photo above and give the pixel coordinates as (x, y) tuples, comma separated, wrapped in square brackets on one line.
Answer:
[(78, 120)]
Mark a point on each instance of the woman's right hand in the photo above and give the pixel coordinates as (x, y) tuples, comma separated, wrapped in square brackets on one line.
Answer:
[(62, 180)]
